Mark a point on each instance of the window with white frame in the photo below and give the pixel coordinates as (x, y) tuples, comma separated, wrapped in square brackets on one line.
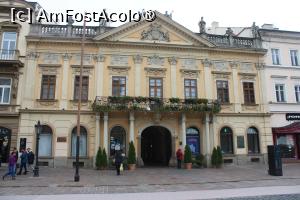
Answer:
[(294, 57), (9, 41), (280, 96), (275, 56), (297, 93), (5, 89)]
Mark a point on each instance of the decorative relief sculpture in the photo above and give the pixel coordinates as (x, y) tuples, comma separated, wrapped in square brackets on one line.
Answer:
[(246, 68), (159, 72), (173, 61), (118, 71), (118, 60), (156, 60), (32, 55), (67, 56), (87, 59), (221, 66), (137, 59), (155, 33), (189, 63), (100, 58), (49, 70), (189, 74), (221, 76), (50, 58)]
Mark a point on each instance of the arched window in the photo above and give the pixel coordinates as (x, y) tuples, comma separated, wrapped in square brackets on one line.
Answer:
[(253, 140), (193, 140), (45, 143), (117, 140), (82, 142), (226, 140)]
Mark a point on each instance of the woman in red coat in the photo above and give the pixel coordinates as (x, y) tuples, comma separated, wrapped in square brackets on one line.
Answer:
[(179, 156)]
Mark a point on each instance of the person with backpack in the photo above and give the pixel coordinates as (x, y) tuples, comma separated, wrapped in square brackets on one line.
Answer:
[(30, 156)]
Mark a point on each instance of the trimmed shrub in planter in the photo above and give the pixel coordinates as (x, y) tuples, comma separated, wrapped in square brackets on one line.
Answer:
[(98, 158), (187, 157), (104, 160), (131, 156), (214, 157), (219, 157)]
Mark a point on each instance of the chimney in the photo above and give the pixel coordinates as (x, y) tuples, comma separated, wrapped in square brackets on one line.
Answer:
[(214, 24), (268, 26)]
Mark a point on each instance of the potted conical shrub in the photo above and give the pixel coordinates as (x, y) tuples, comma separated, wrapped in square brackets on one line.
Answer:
[(219, 157), (98, 158), (131, 161), (104, 159), (214, 158), (187, 157)]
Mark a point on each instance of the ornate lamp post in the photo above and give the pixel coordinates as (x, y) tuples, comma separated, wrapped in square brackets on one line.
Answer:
[(38, 128)]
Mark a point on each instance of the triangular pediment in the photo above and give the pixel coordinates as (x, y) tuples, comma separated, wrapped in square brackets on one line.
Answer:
[(162, 30)]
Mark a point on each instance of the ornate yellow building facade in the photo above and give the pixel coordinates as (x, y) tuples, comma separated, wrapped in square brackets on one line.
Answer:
[(154, 83)]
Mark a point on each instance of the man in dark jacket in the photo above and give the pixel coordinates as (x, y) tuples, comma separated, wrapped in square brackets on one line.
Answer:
[(30, 156), (118, 161), (24, 160)]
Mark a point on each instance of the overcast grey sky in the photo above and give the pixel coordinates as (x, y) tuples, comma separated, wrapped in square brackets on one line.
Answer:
[(284, 14)]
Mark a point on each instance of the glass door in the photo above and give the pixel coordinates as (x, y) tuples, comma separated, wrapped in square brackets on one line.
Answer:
[(287, 146)]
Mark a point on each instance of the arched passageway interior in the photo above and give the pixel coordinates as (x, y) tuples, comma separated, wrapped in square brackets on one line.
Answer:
[(156, 146)]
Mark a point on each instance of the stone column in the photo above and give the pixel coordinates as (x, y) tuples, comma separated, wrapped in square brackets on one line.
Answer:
[(183, 130), (99, 75), (207, 140), (237, 102), (131, 127), (97, 137), (173, 63), (64, 90), (261, 77), (29, 87), (105, 132), (207, 78), (138, 59)]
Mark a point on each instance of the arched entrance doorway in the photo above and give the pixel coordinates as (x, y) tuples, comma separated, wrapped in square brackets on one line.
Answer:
[(156, 146), (5, 138)]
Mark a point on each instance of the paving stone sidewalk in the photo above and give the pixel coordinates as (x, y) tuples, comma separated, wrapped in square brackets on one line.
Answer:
[(60, 180)]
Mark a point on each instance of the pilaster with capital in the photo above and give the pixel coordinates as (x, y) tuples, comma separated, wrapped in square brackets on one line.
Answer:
[(64, 93), (173, 63), (105, 132), (183, 129), (99, 74), (260, 67), (138, 60), (207, 78), (29, 87), (237, 102)]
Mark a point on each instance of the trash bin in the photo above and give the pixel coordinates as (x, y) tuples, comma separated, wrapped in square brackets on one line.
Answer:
[(274, 160)]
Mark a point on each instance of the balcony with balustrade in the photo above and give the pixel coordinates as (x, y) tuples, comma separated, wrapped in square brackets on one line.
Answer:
[(149, 104), (10, 58)]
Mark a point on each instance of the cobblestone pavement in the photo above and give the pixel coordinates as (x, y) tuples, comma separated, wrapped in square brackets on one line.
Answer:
[(268, 197), (60, 180)]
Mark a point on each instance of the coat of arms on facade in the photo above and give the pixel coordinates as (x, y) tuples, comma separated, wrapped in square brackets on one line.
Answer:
[(155, 33)]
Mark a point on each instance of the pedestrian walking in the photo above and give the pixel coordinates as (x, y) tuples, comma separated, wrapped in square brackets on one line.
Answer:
[(30, 156), (24, 160), (118, 161), (17, 157), (179, 156), (11, 166)]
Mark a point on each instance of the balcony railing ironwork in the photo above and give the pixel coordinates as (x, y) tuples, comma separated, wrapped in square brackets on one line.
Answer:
[(148, 104), (9, 54)]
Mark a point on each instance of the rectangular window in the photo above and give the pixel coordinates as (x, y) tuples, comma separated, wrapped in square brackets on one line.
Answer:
[(249, 95), (118, 86), (5, 89), (294, 57), (155, 87), (48, 87), (275, 56), (279, 88), (9, 41), (190, 88), (222, 91), (297, 93), (85, 88)]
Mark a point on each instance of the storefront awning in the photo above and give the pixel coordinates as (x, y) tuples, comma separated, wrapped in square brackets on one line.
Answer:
[(292, 128)]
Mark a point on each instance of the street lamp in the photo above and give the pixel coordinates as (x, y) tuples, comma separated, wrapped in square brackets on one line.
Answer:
[(38, 128)]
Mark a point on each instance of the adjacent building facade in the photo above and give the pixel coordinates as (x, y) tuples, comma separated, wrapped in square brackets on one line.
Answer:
[(12, 61), (156, 84), (282, 75)]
